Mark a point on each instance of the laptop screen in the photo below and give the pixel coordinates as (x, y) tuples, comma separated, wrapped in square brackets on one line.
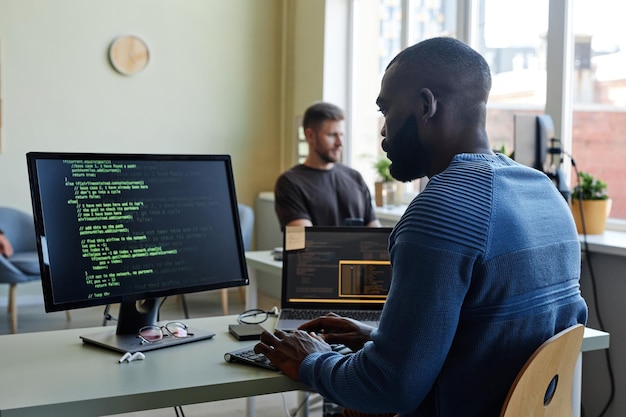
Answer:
[(336, 267)]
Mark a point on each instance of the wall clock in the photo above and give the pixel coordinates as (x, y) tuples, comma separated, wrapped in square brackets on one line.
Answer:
[(129, 54)]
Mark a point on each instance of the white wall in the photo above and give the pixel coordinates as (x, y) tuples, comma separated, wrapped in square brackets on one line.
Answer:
[(212, 84)]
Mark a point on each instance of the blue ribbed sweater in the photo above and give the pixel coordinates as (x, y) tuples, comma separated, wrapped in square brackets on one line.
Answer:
[(486, 264)]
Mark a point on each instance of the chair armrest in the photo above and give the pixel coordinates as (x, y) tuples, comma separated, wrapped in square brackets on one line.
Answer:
[(10, 274), (27, 262)]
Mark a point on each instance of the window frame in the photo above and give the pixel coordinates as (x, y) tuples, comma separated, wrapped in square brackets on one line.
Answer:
[(559, 70)]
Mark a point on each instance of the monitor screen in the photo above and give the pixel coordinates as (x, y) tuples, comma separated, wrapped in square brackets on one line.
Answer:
[(119, 228)]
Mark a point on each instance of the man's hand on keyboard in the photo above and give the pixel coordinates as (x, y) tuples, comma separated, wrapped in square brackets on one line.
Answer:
[(288, 350), (336, 329)]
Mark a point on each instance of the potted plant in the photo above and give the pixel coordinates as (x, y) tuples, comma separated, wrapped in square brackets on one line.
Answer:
[(384, 187), (590, 204)]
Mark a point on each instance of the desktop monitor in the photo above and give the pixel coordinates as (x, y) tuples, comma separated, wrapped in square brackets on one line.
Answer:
[(132, 229), (536, 146), (533, 135)]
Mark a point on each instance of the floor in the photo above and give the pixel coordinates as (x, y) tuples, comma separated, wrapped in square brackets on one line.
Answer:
[(33, 318)]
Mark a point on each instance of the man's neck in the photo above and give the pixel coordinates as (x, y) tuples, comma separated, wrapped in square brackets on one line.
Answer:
[(318, 164)]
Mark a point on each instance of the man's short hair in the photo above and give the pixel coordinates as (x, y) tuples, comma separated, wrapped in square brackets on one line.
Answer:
[(443, 60), (319, 112)]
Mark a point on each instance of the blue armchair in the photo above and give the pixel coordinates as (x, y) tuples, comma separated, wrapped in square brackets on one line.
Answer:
[(23, 265)]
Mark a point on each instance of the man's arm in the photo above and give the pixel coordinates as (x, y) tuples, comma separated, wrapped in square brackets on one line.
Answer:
[(370, 215), (397, 369), (288, 203)]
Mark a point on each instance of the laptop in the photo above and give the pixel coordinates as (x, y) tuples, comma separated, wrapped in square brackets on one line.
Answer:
[(345, 270)]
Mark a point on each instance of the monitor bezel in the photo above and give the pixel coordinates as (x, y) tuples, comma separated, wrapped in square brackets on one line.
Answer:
[(46, 277)]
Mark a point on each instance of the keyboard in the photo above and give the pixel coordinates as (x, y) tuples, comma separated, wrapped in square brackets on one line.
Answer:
[(360, 315), (248, 356)]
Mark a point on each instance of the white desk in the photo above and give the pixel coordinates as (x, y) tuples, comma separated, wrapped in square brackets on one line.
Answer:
[(592, 340), (54, 374), (260, 261)]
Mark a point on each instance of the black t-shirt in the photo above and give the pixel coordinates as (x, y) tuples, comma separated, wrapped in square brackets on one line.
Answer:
[(326, 197)]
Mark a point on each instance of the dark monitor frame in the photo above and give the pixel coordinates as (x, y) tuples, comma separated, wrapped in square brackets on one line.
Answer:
[(533, 134), (137, 308)]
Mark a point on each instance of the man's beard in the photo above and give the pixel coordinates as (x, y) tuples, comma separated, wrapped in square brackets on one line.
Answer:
[(329, 157), (407, 155)]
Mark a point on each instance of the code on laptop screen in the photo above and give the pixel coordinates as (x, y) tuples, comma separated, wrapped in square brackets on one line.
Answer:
[(340, 264)]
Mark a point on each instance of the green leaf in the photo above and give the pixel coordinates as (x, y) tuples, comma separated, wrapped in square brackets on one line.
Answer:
[(590, 188), (382, 168)]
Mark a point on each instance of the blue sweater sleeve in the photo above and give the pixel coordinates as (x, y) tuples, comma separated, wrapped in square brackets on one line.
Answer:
[(397, 370)]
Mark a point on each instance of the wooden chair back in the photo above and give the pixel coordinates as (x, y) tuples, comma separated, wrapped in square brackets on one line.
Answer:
[(543, 388)]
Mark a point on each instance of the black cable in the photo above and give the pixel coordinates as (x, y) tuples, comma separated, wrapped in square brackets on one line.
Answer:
[(304, 402), (256, 315), (107, 315), (159, 310), (594, 288)]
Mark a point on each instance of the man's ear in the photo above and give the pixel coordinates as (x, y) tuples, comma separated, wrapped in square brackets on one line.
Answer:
[(429, 104), (309, 134)]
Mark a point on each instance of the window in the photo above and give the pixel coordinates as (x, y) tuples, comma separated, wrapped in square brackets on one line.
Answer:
[(382, 28), (599, 95), (514, 38)]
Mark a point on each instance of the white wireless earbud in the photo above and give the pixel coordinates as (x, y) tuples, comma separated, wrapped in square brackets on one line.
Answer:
[(137, 355), (274, 311), (129, 357), (125, 356)]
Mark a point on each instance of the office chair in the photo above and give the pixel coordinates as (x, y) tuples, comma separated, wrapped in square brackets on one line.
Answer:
[(543, 388), (23, 265)]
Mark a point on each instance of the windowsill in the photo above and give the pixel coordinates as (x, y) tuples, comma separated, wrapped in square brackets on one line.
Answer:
[(611, 242), (390, 213)]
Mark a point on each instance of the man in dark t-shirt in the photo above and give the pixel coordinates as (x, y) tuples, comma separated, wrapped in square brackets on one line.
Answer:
[(322, 191)]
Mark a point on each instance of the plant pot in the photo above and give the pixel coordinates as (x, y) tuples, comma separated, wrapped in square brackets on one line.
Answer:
[(595, 213), (378, 193), (385, 193)]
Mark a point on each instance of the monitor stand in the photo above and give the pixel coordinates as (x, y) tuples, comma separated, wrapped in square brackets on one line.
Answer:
[(131, 343), (133, 316)]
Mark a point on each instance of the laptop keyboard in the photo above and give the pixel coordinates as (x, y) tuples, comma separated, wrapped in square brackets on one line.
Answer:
[(248, 356), (361, 315)]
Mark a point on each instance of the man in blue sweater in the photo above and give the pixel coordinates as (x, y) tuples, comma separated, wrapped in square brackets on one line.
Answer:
[(486, 260)]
